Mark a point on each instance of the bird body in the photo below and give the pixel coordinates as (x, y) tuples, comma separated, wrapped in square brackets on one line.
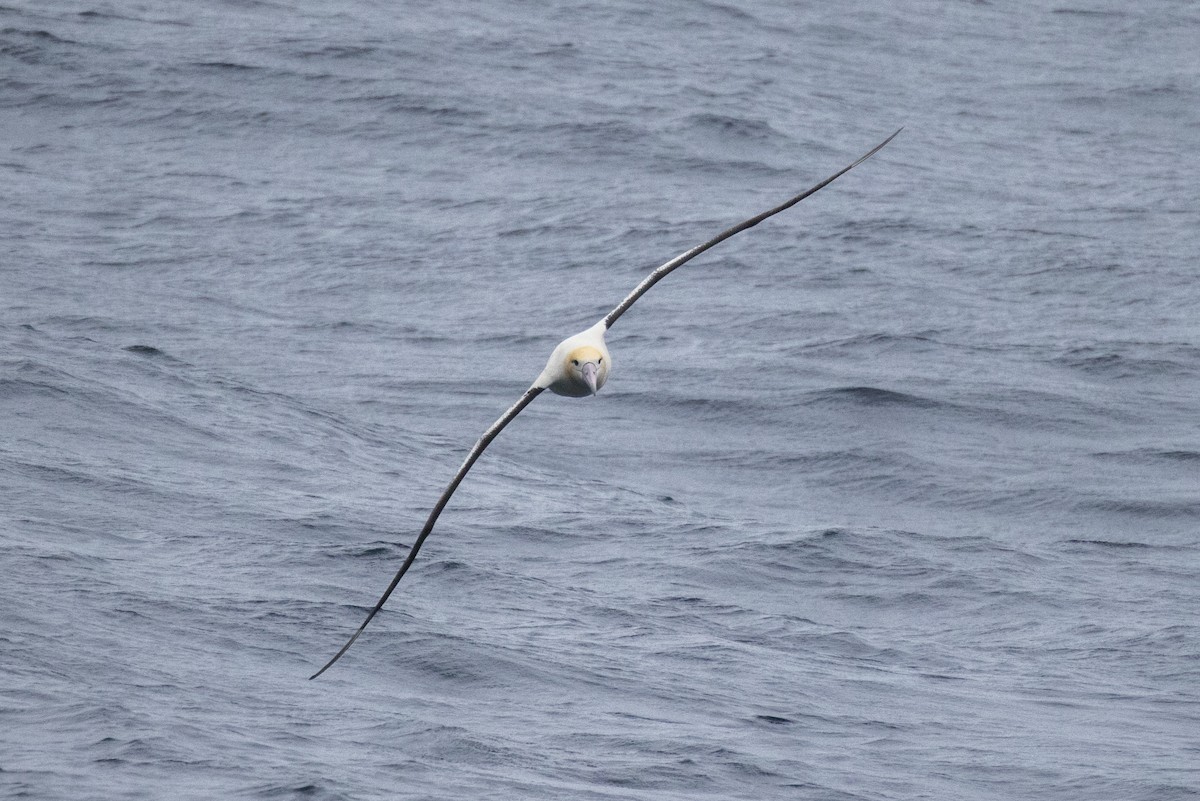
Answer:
[(578, 367)]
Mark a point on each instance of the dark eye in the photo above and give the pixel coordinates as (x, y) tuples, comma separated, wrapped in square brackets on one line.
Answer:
[(600, 360), (575, 362)]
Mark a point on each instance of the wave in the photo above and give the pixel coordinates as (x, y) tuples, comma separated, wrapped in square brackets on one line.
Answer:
[(871, 397)]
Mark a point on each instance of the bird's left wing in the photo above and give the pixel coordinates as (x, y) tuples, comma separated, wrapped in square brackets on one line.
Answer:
[(661, 272), (475, 453)]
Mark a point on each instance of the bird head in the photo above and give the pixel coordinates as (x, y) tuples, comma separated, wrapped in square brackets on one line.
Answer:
[(586, 367)]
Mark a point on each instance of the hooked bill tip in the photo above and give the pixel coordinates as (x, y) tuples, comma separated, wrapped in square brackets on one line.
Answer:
[(589, 371)]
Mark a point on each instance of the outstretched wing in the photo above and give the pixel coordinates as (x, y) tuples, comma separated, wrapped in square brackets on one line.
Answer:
[(535, 390), (687, 256), (475, 453)]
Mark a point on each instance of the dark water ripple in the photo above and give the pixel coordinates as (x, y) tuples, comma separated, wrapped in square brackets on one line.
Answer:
[(894, 497)]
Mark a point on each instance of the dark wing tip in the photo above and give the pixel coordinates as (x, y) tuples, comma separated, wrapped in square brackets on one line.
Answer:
[(350, 641), (475, 453), (871, 152)]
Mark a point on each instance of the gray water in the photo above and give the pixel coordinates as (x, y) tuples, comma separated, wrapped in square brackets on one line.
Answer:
[(894, 496)]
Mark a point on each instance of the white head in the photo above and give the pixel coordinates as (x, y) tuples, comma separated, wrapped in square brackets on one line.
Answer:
[(586, 368), (579, 365)]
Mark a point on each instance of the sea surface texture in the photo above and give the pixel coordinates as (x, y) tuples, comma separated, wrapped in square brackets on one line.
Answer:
[(894, 496)]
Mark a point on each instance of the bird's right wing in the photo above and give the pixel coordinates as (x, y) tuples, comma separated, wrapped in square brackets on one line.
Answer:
[(686, 256), (475, 453)]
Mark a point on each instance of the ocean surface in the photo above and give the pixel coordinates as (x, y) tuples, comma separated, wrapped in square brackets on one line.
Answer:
[(894, 496)]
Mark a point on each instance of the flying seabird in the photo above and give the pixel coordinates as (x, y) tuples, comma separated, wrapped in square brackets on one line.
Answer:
[(578, 367)]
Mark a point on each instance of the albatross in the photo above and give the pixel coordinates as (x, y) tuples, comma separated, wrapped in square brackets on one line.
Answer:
[(578, 367)]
